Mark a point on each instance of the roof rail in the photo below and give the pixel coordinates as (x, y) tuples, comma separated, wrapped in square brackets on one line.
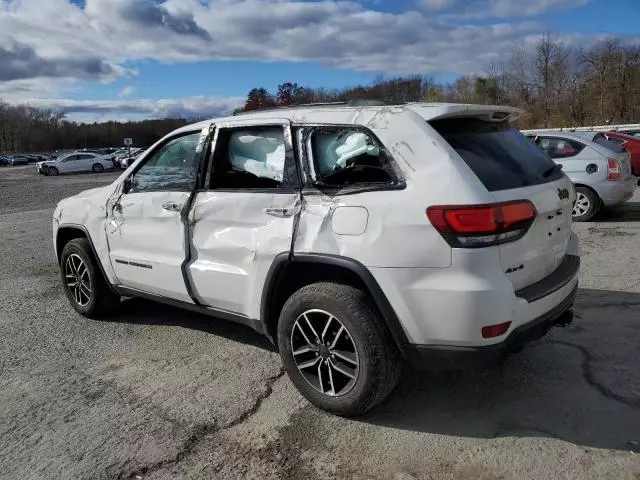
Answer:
[(349, 103)]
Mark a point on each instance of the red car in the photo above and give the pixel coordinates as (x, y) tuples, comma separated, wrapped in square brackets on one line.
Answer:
[(630, 144)]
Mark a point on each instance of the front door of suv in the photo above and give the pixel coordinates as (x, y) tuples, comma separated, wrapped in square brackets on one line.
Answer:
[(145, 227), (246, 215)]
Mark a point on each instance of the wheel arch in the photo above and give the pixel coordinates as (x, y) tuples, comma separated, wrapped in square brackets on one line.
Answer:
[(288, 274), (591, 189), (67, 232)]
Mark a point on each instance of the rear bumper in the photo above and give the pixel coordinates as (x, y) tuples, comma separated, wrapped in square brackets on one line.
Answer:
[(614, 192), (442, 357)]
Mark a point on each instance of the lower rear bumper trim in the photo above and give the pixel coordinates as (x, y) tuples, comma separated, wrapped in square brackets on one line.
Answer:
[(444, 357)]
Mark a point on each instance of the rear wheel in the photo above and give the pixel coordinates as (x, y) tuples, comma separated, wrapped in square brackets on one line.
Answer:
[(83, 282), (586, 204), (336, 349), (97, 168), (53, 171)]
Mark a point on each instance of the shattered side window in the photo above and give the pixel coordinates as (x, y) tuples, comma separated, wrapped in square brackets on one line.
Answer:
[(173, 167), (345, 157), (250, 158), (258, 153)]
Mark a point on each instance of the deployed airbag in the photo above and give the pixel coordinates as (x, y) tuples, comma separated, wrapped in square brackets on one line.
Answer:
[(259, 153), (336, 150)]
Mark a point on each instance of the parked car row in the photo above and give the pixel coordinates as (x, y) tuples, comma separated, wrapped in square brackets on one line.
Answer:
[(123, 158), (21, 159), (602, 166)]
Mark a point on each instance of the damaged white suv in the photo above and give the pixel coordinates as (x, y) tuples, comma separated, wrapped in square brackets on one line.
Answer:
[(359, 238)]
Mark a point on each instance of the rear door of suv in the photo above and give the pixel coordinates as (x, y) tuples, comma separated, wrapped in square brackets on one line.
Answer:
[(244, 217)]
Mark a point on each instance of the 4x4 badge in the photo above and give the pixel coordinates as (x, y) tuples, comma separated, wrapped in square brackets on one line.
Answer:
[(563, 193)]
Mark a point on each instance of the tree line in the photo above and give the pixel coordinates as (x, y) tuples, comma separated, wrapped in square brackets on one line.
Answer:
[(556, 85), (28, 129)]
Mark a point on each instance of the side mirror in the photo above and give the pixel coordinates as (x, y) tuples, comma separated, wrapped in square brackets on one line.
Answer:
[(126, 185)]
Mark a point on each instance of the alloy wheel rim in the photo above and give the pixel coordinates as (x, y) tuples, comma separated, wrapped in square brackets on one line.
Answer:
[(324, 352), (581, 206), (77, 279)]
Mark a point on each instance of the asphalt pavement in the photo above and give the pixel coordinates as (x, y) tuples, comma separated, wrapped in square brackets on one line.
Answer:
[(154, 392)]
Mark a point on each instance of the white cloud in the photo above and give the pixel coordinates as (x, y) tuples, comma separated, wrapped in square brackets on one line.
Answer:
[(95, 41), (54, 44), (512, 9), (127, 91), (190, 107), (435, 5)]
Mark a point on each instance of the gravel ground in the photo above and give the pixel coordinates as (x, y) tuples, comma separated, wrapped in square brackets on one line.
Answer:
[(158, 393)]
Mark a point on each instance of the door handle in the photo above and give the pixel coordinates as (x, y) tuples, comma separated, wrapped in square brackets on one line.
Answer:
[(172, 206), (279, 212)]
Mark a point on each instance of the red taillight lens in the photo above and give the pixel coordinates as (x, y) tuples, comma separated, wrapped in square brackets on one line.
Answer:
[(492, 331), (613, 169), (482, 225)]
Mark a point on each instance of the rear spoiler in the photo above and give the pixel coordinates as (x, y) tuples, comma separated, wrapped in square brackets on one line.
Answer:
[(489, 113)]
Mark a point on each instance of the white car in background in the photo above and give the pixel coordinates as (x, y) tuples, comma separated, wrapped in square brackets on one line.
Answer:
[(75, 162)]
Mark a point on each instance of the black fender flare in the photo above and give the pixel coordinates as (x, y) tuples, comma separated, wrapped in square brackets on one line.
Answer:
[(388, 313), (87, 235)]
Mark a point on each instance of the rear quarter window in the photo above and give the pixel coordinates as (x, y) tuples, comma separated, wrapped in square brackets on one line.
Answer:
[(501, 157)]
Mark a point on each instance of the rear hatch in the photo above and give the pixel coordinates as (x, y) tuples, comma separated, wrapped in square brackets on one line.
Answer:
[(512, 168), (613, 148)]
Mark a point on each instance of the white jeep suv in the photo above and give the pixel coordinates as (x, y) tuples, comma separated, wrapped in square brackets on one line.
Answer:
[(358, 238)]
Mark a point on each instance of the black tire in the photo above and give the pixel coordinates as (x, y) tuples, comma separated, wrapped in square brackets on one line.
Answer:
[(97, 168), (101, 298), (379, 363), (52, 171), (586, 205)]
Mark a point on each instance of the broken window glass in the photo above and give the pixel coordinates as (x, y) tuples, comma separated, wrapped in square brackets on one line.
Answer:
[(250, 158), (348, 157), (173, 167)]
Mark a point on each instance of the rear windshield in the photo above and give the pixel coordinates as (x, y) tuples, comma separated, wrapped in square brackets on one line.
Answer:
[(500, 156), (612, 144)]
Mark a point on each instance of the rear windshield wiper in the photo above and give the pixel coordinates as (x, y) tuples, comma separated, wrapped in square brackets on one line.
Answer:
[(550, 171)]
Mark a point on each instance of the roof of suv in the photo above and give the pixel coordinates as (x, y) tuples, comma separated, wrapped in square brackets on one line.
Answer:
[(428, 111)]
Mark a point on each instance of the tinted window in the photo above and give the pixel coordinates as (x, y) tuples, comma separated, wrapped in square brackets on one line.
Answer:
[(251, 158), (600, 139), (346, 156), (172, 167), (500, 156), (559, 147)]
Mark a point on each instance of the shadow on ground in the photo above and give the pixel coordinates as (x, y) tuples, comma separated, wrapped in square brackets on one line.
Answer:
[(144, 312), (622, 213), (566, 386), (558, 387)]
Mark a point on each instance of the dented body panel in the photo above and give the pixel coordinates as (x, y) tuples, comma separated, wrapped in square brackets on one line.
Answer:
[(234, 241)]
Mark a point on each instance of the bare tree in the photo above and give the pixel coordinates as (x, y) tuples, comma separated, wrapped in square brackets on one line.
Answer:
[(600, 61)]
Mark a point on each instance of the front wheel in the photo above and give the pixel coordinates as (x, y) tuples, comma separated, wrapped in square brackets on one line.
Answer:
[(586, 204), (336, 348), (97, 168), (53, 171), (83, 282)]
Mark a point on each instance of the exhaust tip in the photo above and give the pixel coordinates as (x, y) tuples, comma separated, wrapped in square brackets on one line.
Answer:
[(564, 320)]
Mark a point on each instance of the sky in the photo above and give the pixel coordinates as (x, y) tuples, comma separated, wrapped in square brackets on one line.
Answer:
[(131, 59)]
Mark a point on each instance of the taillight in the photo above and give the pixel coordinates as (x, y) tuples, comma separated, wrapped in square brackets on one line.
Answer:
[(475, 226), (613, 169)]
